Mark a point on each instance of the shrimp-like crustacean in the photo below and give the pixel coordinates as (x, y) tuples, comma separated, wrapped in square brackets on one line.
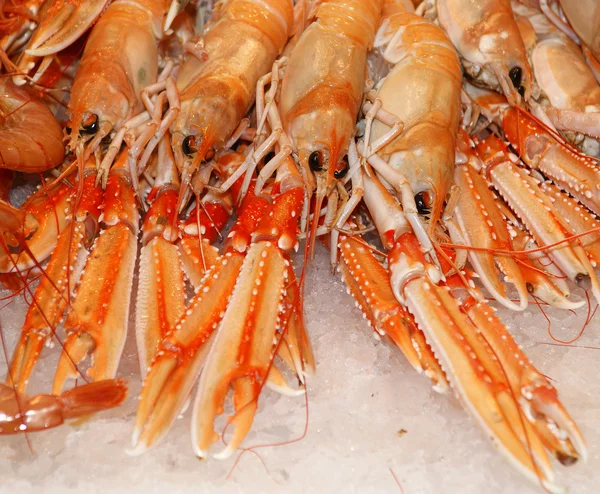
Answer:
[(319, 106), (409, 143), (463, 336), (20, 413), (569, 92), (31, 152), (580, 21), (221, 340), (487, 38), (20, 148), (217, 83), (316, 110), (120, 60)]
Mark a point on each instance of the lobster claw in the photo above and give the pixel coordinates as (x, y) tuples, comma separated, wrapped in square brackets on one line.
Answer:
[(161, 288), (486, 369), (579, 219), (53, 294), (182, 353), (99, 316), (537, 396), (50, 300), (481, 225), (543, 279), (65, 22), (368, 283), (573, 171), (242, 352), (534, 209), (554, 292), (46, 214), (241, 306)]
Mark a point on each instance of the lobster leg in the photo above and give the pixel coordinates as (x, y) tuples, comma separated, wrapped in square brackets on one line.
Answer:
[(481, 225), (53, 294), (97, 323), (368, 283), (182, 354), (242, 351), (64, 23)]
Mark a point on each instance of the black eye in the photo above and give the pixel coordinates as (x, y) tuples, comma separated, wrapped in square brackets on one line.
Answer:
[(315, 161), (341, 172), (190, 145), (422, 200), (90, 126), (515, 75)]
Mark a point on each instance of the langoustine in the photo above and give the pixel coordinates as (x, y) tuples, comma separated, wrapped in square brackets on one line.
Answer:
[(420, 199), (213, 330), (472, 346)]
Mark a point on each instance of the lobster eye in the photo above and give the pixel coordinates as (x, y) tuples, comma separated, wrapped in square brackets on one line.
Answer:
[(515, 75), (89, 125), (190, 145), (343, 171), (423, 201), (315, 161)]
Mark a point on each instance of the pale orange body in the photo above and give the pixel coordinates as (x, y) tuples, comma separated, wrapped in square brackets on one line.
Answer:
[(573, 91), (487, 37), (323, 84), (584, 17), (427, 74), (217, 91), (22, 414), (120, 59), (30, 136)]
